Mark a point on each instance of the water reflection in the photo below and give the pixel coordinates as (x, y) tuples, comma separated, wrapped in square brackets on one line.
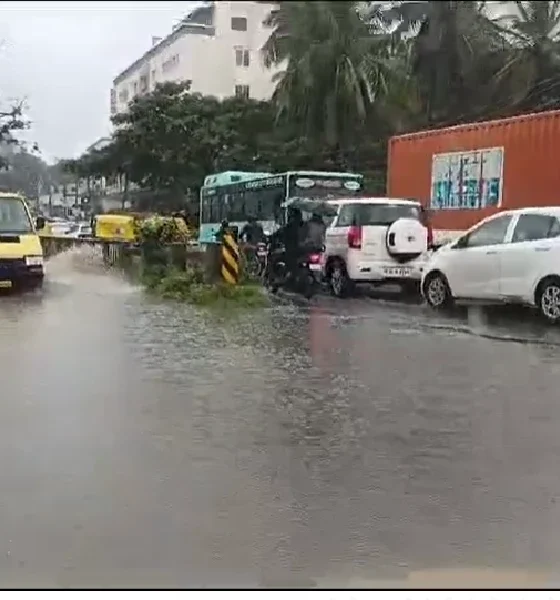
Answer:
[(290, 446)]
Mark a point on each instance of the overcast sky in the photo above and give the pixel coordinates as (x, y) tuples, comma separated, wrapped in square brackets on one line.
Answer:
[(63, 57)]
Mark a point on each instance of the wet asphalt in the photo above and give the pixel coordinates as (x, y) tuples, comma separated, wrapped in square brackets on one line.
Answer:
[(310, 444)]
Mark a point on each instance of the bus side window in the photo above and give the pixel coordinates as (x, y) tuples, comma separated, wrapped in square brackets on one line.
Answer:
[(222, 208), (226, 206), (238, 207), (278, 211), (215, 211), (205, 213), (249, 205)]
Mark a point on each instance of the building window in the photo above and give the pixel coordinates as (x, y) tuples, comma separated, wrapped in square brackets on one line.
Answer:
[(239, 23), (241, 57), (242, 91), (135, 88), (143, 84), (123, 96), (170, 63)]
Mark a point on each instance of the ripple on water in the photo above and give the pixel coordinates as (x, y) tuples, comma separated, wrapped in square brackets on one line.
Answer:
[(284, 443)]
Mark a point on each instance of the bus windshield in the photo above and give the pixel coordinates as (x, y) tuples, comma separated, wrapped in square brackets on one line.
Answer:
[(13, 216)]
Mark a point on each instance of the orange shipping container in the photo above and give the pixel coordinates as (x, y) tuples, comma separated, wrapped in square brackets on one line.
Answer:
[(467, 172)]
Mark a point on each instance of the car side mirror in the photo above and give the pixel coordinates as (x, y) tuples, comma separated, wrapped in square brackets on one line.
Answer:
[(40, 222)]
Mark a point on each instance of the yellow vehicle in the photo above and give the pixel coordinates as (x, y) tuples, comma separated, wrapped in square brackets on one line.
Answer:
[(128, 227), (21, 254), (116, 227)]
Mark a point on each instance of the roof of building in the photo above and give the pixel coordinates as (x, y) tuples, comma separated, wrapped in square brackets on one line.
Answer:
[(98, 144), (199, 21)]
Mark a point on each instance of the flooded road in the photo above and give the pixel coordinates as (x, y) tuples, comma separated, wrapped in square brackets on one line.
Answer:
[(146, 444)]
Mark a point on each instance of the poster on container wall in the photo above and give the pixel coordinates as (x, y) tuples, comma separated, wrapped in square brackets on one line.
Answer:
[(467, 180)]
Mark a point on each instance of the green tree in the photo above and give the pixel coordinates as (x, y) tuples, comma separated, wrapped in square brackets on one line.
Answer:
[(449, 41), (333, 68), (529, 77), (27, 174), (171, 139)]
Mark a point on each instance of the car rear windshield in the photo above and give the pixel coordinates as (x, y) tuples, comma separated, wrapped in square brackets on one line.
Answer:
[(376, 214)]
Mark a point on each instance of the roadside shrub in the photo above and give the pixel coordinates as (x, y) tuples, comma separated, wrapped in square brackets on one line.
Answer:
[(191, 286), (162, 231)]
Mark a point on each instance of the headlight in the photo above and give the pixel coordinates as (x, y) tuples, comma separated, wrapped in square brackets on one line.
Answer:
[(34, 261)]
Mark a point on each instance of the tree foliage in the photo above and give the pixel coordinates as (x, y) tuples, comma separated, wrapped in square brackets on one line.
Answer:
[(21, 169), (27, 174), (12, 122), (171, 139), (348, 75)]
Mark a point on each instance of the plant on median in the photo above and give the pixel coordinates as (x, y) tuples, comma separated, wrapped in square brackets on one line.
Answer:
[(161, 231), (191, 286)]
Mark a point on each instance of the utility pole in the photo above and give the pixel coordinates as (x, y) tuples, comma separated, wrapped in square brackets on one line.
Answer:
[(39, 190)]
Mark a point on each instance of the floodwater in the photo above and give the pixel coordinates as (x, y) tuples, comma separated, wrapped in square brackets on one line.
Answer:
[(339, 443)]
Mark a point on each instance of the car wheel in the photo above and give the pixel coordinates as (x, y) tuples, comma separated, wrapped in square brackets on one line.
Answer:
[(548, 299), (338, 280), (437, 292)]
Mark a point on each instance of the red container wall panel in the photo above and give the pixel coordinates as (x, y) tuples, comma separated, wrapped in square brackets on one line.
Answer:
[(531, 163)]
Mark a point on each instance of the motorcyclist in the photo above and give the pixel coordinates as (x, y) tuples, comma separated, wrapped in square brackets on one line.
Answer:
[(292, 239), (252, 233), (224, 227), (289, 236), (314, 234)]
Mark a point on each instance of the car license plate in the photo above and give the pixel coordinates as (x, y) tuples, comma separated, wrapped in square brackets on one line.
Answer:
[(5, 284), (314, 267), (397, 272)]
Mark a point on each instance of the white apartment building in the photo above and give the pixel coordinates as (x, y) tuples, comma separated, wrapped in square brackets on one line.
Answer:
[(217, 48), (99, 144)]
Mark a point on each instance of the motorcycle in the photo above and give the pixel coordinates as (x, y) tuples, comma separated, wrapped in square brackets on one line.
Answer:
[(262, 257), (305, 281), (257, 261)]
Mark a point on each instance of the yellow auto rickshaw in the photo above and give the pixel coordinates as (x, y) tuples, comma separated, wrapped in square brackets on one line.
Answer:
[(113, 227)]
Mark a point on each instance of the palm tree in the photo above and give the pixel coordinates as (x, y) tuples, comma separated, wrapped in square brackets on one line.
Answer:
[(449, 41), (333, 68), (530, 75)]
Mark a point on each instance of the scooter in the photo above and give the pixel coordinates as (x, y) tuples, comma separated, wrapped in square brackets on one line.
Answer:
[(262, 257), (310, 274), (257, 261), (305, 281)]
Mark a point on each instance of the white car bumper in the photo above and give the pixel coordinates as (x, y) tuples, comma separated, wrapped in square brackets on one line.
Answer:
[(366, 271)]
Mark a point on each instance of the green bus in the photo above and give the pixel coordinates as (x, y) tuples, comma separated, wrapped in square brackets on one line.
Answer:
[(236, 195)]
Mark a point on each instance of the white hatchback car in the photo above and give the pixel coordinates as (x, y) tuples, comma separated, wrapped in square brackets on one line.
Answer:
[(511, 257), (376, 240), (81, 230)]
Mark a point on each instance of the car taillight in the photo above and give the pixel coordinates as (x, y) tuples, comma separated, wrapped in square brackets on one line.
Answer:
[(314, 259), (355, 237)]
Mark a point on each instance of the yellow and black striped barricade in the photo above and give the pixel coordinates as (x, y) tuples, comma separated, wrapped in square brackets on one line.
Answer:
[(230, 259)]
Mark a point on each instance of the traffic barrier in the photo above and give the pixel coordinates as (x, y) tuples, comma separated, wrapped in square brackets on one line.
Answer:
[(230, 259)]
